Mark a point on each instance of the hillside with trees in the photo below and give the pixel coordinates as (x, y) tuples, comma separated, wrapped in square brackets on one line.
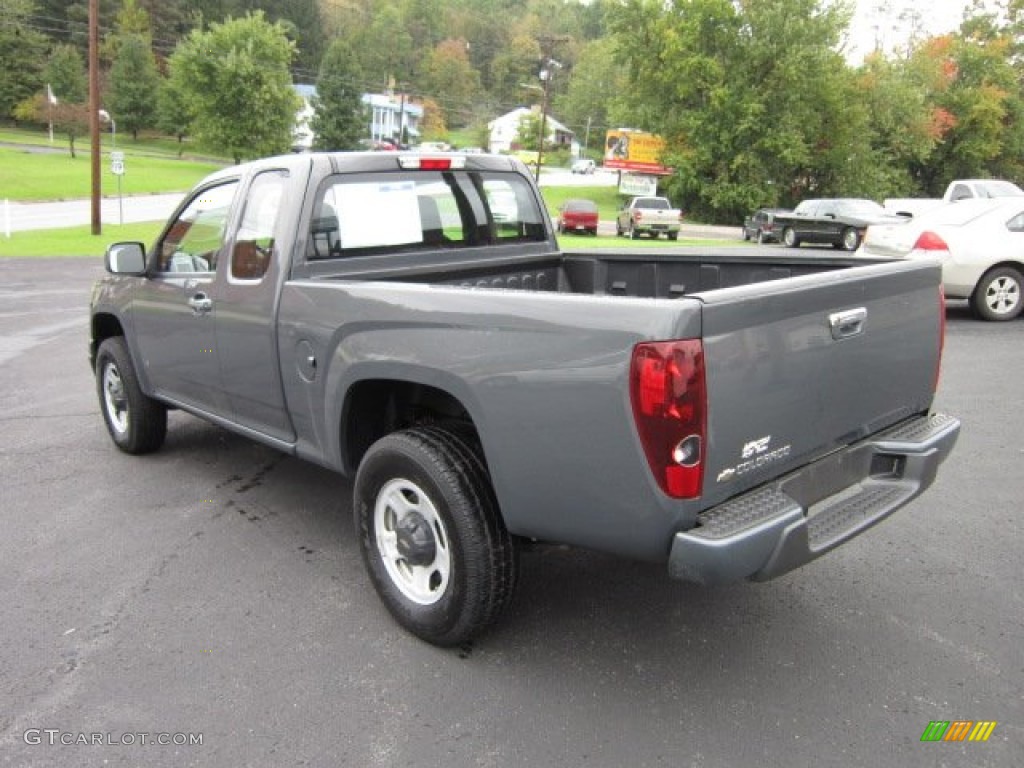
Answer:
[(756, 99)]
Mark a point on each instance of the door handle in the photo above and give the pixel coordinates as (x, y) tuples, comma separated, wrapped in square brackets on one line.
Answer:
[(200, 303), (847, 324)]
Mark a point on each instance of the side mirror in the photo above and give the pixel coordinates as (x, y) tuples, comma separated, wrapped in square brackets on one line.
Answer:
[(126, 259)]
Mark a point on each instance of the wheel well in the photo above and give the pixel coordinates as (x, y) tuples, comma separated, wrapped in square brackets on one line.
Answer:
[(1017, 265), (103, 327), (377, 407)]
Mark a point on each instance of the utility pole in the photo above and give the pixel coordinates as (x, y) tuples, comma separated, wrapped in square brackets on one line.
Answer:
[(545, 75), (94, 110)]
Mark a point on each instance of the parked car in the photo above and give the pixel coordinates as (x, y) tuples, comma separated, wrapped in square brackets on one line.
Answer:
[(760, 225), (649, 215), (838, 221), (958, 189), (483, 389), (577, 215), (980, 243), (584, 165)]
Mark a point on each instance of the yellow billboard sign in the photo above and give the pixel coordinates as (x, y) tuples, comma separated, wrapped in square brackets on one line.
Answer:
[(634, 151)]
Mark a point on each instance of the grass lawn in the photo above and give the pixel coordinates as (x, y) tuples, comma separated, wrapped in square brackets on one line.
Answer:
[(608, 199), (75, 241), (27, 176)]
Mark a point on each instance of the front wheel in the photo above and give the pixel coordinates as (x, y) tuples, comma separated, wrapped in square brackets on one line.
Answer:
[(998, 294), (851, 239), (789, 238), (136, 423), (432, 536), (672, 235)]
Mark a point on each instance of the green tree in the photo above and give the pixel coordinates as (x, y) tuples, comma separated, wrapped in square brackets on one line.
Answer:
[(752, 98), (65, 73), (173, 116), (448, 73), (241, 100), (339, 118), (134, 85), (22, 52)]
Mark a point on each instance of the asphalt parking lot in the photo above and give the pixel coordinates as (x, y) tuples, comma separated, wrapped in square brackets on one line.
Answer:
[(215, 590)]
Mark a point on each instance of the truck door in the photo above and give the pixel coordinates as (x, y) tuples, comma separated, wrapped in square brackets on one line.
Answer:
[(246, 329), (173, 311)]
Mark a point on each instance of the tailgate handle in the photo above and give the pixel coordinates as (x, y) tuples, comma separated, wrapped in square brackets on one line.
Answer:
[(848, 323)]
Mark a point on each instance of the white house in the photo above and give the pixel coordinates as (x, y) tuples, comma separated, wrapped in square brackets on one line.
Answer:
[(388, 114), (505, 130)]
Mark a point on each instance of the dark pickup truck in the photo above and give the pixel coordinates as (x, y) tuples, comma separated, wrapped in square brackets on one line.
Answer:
[(730, 416)]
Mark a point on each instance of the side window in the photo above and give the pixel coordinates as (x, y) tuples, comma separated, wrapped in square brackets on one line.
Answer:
[(193, 240), (254, 243), (960, 192)]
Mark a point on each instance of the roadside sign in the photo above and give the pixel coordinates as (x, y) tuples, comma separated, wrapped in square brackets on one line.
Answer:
[(117, 163), (117, 156)]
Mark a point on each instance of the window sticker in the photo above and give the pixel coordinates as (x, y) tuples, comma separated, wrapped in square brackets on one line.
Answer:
[(378, 213)]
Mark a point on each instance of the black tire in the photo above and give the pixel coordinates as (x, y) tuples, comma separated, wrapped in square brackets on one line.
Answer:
[(672, 235), (789, 238), (137, 424), (998, 295), (634, 233), (428, 492), (593, 231), (851, 239)]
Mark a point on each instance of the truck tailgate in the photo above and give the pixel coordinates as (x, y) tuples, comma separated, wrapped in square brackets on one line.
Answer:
[(798, 368)]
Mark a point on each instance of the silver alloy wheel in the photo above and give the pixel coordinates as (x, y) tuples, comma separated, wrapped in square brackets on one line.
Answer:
[(420, 569), (1002, 295), (114, 398)]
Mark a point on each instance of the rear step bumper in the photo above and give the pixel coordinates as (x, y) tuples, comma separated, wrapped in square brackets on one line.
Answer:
[(780, 526)]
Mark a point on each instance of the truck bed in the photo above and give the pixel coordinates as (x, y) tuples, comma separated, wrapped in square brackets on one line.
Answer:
[(638, 275)]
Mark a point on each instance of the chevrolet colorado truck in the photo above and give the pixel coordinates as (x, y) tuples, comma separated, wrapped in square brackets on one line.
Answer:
[(648, 215), (731, 416)]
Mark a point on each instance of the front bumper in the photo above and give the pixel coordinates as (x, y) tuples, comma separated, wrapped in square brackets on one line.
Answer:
[(780, 526)]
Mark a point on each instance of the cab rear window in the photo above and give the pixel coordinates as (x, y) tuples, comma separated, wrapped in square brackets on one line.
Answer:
[(372, 213)]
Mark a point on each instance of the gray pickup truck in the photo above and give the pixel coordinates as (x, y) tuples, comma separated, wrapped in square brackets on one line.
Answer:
[(729, 415)]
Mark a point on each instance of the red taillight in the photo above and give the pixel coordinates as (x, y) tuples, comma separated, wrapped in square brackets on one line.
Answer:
[(670, 407), (638, 214), (929, 241)]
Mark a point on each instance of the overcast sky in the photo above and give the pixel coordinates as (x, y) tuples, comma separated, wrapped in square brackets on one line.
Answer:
[(890, 22)]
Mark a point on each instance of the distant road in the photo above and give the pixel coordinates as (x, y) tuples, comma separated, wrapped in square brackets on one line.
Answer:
[(69, 213)]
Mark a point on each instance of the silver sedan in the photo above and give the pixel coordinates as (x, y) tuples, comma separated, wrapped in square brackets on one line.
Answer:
[(980, 244)]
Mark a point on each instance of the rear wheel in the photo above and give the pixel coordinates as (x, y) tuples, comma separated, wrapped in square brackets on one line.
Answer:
[(789, 238), (432, 536), (634, 233), (672, 235), (137, 424), (998, 294)]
